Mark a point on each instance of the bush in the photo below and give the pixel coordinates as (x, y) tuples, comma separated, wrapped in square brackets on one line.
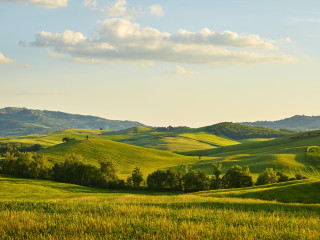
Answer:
[(267, 177), (299, 176), (237, 177), (67, 139), (282, 177)]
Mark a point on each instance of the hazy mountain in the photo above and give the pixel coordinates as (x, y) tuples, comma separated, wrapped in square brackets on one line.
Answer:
[(296, 123), (23, 121)]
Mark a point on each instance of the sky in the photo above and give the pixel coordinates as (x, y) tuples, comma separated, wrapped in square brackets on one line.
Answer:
[(179, 63)]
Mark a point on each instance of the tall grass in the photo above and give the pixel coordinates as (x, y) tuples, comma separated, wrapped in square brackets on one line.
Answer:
[(158, 217)]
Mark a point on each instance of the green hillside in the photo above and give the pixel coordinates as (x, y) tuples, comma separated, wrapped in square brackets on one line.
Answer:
[(238, 131), (173, 139), (124, 155), (287, 154), (218, 141)]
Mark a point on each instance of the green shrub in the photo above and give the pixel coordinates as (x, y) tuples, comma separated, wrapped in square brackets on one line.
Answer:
[(237, 177), (267, 177)]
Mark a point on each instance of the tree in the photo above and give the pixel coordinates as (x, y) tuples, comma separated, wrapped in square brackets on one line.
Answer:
[(108, 173), (282, 177), (137, 177), (267, 176), (195, 181), (237, 177), (156, 180), (299, 176), (129, 182), (216, 180), (67, 139), (172, 180)]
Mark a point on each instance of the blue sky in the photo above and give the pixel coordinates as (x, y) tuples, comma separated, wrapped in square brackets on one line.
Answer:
[(162, 62)]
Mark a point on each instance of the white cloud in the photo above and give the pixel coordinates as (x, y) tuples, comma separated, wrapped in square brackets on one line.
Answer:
[(226, 38), (156, 9), (3, 59), (55, 54), (119, 9), (42, 3), (120, 39), (182, 71), (91, 3)]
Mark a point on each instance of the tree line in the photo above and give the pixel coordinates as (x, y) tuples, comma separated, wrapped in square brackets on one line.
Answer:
[(18, 147), (183, 179)]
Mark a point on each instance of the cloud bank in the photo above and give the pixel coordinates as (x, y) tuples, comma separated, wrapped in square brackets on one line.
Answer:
[(42, 3), (121, 39)]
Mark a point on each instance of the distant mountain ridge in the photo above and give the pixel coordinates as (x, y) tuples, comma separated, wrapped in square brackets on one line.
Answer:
[(23, 121), (295, 123)]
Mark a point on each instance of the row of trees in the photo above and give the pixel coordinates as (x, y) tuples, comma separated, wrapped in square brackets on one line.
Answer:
[(18, 147), (185, 179), (72, 170), (75, 170)]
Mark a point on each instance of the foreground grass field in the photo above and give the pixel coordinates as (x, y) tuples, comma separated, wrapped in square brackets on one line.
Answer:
[(36, 209)]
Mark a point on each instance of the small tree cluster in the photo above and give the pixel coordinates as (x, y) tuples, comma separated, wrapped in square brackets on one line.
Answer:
[(270, 176), (178, 180), (26, 165), (67, 139), (75, 170), (18, 148), (237, 177)]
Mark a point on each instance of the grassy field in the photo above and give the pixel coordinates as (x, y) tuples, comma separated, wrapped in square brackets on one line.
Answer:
[(287, 154), (139, 136), (210, 138), (36, 209)]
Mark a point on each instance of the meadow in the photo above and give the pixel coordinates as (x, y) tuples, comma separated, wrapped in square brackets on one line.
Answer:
[(39, 209)]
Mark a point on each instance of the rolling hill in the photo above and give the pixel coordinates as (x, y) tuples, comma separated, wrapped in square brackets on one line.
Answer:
[(183, 138), (296, 123), (288, 154), (125, 156), (23, 121)]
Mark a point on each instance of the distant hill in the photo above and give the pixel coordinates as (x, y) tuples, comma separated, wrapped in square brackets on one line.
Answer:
[(238, 131), (23, 121), (295, 123)]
